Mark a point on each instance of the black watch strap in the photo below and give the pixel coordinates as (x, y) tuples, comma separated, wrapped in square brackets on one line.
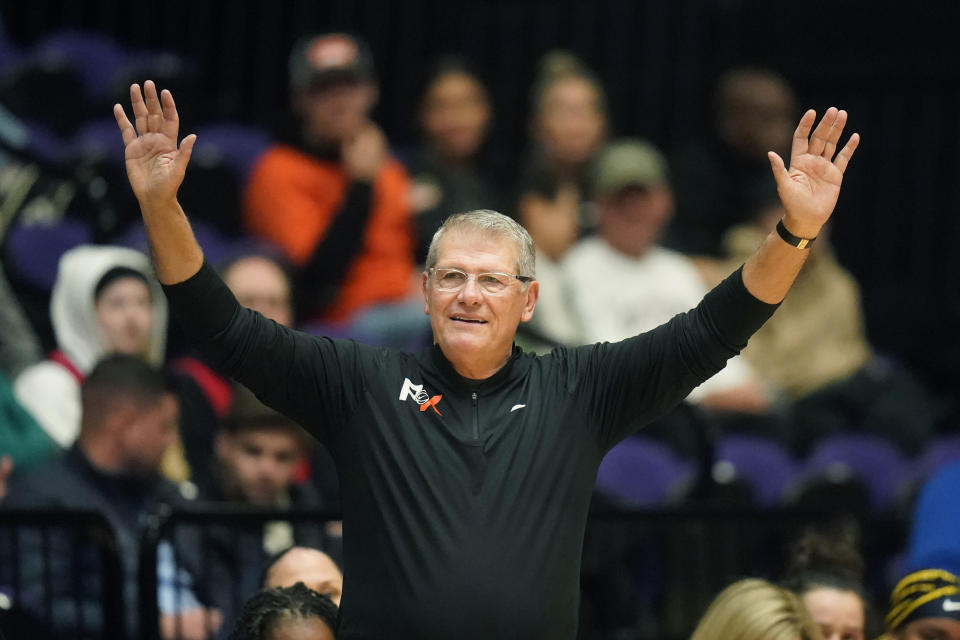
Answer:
[(789, 238)]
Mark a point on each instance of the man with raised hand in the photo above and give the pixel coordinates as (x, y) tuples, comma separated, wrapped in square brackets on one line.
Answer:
[(466, 470)]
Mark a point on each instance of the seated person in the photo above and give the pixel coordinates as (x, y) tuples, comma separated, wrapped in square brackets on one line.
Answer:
[(818, 362), (754, 609), (312, 567), (128, 420), (568, 124), (716, 179), (825, 572), (548, 208), (329, 195), (451, 171), (623, 283), (287, 613), (936, 520), (925, 605), (105, 299), (257, 454), (260, 283)]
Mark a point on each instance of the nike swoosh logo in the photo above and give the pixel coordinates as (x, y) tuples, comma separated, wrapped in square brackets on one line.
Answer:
[(517, 406), (950, 605)]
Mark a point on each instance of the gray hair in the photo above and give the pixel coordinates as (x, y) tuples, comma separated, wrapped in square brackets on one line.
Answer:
[(493, 223)]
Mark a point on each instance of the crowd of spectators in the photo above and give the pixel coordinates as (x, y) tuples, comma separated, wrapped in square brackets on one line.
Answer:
[(329, 234)]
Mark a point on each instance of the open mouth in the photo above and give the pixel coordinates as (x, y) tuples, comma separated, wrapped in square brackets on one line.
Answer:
[(468, 320)]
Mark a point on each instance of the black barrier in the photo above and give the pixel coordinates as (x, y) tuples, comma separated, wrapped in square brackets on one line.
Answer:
[(197, 539), (645, 574), (61, 575)]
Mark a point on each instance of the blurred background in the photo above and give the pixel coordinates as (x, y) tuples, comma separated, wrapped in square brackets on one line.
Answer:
[(895, 71)]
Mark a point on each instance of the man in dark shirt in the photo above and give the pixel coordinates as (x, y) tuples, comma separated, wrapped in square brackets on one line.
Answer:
[(129, 420), (257, 454), (466, 470)]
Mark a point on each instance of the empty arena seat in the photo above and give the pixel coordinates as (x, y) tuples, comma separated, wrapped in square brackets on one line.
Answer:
[(645, 473), (877, 464), (765, 465)]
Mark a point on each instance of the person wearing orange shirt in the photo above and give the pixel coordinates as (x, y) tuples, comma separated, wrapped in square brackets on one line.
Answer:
[(329, 194)]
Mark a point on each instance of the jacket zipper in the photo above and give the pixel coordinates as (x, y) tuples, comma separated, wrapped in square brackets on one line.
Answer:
[(476, 417)]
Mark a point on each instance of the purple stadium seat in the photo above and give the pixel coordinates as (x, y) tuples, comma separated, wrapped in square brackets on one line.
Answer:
[(43, 145), (99, 140), (34, 251), (644, 472), (9, 53), (237, 146), (765, 466), (216, 247), (878, 464), (96, 57)]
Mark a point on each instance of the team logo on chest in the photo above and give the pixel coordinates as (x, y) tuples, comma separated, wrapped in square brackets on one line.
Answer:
[(421, 397)]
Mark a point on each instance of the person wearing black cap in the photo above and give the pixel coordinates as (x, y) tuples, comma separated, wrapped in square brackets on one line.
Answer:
[(329, 194), (466, 469)]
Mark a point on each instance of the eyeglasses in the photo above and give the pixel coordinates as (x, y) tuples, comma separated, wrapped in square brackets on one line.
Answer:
[(491, 282)]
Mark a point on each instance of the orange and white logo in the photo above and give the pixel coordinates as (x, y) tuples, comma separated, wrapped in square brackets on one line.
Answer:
[(421, 397)]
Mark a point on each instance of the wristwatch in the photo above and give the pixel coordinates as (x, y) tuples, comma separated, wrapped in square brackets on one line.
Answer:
[(789, 238)]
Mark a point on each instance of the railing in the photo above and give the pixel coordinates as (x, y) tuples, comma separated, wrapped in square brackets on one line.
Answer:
[(645, 574), (61, 575)]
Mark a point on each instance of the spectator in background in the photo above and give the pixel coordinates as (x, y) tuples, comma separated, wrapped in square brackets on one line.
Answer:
[(451, 171), (289, 613), (129, 419), (548, 208), (826, 574), (258, 451), (925, 605), (330, 195), (817, 361), (312, 567), (754, 609), (623, 283), (105, 299), (569, 121), (257, 454), (261, 283), (716, 180), (934, 541)]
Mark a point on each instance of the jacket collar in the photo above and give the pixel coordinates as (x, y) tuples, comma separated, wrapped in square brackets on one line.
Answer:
[(515, 366)]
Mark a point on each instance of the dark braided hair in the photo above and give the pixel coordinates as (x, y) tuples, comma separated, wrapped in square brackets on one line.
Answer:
[(269, 608)]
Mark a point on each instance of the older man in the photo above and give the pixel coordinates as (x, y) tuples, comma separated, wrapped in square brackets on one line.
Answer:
[(467, 469)]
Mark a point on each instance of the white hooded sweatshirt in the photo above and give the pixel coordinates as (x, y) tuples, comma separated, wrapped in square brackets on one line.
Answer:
[(49, 390)]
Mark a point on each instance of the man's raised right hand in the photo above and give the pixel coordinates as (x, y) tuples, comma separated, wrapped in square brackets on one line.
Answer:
[(155, 166)]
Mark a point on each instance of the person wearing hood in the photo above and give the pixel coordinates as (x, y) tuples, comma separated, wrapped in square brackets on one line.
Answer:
[(105, 300)]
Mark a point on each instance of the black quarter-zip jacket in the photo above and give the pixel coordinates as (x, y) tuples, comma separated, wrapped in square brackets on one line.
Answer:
[(465, 502)]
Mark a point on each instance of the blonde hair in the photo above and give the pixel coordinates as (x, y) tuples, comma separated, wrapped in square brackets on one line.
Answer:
[(755, 609)]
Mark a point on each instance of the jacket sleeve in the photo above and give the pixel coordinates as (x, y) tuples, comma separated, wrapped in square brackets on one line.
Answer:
[(314, 381), (622, 386)]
